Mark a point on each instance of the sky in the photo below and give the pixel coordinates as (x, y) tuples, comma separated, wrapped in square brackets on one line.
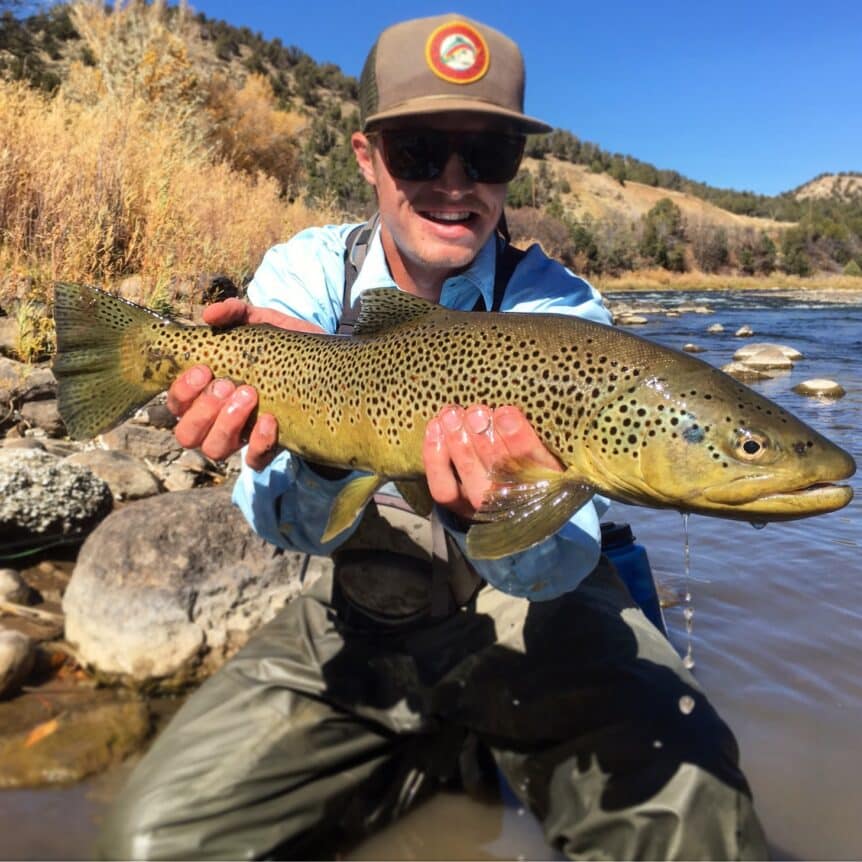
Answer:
[(760, 95)]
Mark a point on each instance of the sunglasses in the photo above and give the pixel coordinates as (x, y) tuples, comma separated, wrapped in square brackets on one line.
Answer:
[(418, 155)]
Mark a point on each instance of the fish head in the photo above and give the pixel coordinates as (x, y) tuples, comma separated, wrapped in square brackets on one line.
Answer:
[(688, 436)]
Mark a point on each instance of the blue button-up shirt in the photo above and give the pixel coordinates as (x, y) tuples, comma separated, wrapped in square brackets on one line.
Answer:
[(288, 504)]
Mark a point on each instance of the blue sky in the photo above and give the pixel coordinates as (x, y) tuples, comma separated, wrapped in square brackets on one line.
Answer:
[(759, 95)]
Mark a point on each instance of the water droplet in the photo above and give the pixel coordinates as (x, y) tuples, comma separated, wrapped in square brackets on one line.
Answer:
[(521, 812), (686, 704), (657, 743), (688, 609), (758, 525), (515, 701)]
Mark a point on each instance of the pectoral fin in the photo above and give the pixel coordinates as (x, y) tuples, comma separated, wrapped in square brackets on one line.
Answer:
[(349, 504), (417, 495), (525, 507)]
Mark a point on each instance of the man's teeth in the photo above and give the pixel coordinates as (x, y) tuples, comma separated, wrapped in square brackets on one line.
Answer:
[(449, 216)]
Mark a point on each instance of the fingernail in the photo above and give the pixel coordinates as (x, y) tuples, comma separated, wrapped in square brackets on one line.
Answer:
[(478, 420), (433, 431), (451, 420), (244, 394), (196, 376), (222, 388), (507, 421)]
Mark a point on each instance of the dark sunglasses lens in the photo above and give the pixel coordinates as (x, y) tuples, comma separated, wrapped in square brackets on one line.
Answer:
[(414, 156), (422, 155), (491, 158)]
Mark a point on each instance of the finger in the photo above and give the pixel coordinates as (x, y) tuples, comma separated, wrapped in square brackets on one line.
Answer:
[(478, 422), (186, 388), (197, 420), (520, 439), (225, 435), (440, 473), (262, 442), (466, 460), (228, 312)]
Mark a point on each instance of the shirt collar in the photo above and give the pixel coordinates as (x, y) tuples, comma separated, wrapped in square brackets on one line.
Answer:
[(459, 291)]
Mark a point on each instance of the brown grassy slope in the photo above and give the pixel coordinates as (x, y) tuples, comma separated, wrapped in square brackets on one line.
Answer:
[(831, 185), (601, 196)]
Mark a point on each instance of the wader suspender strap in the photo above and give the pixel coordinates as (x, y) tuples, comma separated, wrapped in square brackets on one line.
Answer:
[(452, 576)]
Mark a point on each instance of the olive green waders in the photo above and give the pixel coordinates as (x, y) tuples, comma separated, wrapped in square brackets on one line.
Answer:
[(328, 724)]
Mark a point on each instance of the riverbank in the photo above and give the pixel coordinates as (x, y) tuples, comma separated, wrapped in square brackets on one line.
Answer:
[(642, 281)]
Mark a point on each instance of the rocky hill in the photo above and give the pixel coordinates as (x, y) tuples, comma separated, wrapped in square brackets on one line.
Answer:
[(843, 187)]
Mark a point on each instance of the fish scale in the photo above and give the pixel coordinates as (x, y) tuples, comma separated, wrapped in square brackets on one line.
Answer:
[(625, 417)]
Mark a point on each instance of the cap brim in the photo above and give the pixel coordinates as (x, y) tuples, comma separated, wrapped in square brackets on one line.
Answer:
[(447, 104)]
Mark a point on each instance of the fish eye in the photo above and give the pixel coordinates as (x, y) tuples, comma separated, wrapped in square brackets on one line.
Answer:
[(751, 445)]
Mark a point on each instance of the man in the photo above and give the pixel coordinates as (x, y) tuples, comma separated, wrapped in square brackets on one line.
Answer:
[(409, 664)]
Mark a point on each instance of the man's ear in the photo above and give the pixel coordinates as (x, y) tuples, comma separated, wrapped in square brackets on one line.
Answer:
[(364, 153)]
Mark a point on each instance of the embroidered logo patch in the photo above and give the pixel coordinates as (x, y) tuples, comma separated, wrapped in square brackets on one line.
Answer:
[(456, 52)]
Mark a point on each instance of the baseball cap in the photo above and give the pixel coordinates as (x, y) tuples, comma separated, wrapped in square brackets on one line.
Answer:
[(441, 64)]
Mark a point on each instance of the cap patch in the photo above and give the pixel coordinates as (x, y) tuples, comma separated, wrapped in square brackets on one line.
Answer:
[(456, 52)]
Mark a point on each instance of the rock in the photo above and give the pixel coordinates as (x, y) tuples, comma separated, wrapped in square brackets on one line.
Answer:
[(766, 359), (820, 386), (630, 320), (13, 588), (715, 328), (187, 471), (132, 289), (693, 348), (24, 382), (744, 352), (8, 335), (44, 415), (744, 332), (745, 373), (17, 656), (167, 588), (126, 476), (672, 314), (24, 443), (43, 497), (150, 444), (156, 415), (68, 737)]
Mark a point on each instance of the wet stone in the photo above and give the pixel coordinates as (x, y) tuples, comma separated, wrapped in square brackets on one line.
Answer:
[(821, 387), (17, 656), (13, 588)]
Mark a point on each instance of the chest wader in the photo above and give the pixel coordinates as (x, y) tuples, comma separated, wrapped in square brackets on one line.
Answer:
[(399, 567)]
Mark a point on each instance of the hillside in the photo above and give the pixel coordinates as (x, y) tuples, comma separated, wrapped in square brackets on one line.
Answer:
[(843, 187), (599, 196), (251, 111)]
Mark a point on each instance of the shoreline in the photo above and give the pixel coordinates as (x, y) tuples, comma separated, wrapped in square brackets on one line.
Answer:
[(836, 288)]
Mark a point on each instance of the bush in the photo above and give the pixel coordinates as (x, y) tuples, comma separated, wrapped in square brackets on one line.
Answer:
[(853, 269)]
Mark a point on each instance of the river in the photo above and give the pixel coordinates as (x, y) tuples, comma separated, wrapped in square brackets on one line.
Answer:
[(777, 636)]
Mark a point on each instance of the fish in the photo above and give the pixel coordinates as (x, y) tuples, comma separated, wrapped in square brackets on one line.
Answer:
[(627, 418)]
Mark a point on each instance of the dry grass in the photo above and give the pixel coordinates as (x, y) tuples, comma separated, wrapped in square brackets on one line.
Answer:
[(123, 172), (660, 279)]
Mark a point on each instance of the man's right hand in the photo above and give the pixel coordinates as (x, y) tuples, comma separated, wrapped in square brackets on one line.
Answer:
[(214, 413)]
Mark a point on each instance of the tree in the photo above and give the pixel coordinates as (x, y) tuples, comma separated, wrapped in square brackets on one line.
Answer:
[(663, 235), (710, 248)]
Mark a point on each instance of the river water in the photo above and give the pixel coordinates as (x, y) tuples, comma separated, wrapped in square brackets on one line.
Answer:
[(777, 636)]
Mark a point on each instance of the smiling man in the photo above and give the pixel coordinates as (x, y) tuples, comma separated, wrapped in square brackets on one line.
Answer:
[(405, 664)]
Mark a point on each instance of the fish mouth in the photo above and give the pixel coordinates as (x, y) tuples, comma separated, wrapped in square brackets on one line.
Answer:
[(815, 499)]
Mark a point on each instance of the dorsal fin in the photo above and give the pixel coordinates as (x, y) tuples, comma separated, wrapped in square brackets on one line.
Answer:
[(383, 308)]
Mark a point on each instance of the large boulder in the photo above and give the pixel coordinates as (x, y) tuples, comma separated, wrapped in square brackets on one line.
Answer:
[(167, 588), (41, 497)]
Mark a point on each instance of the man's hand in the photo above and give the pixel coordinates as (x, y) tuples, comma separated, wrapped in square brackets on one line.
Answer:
[(214, 413), (462, 447)]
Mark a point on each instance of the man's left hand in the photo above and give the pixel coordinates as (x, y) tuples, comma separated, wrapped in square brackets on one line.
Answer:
[(462, 448)]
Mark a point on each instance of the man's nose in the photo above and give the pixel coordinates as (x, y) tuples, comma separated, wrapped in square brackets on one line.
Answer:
[(454, 177)]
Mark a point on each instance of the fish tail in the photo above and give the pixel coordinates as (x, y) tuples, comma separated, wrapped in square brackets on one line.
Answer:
[(100, 376)]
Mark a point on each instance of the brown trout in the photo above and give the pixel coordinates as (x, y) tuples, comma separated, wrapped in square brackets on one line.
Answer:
[(627, 418)]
